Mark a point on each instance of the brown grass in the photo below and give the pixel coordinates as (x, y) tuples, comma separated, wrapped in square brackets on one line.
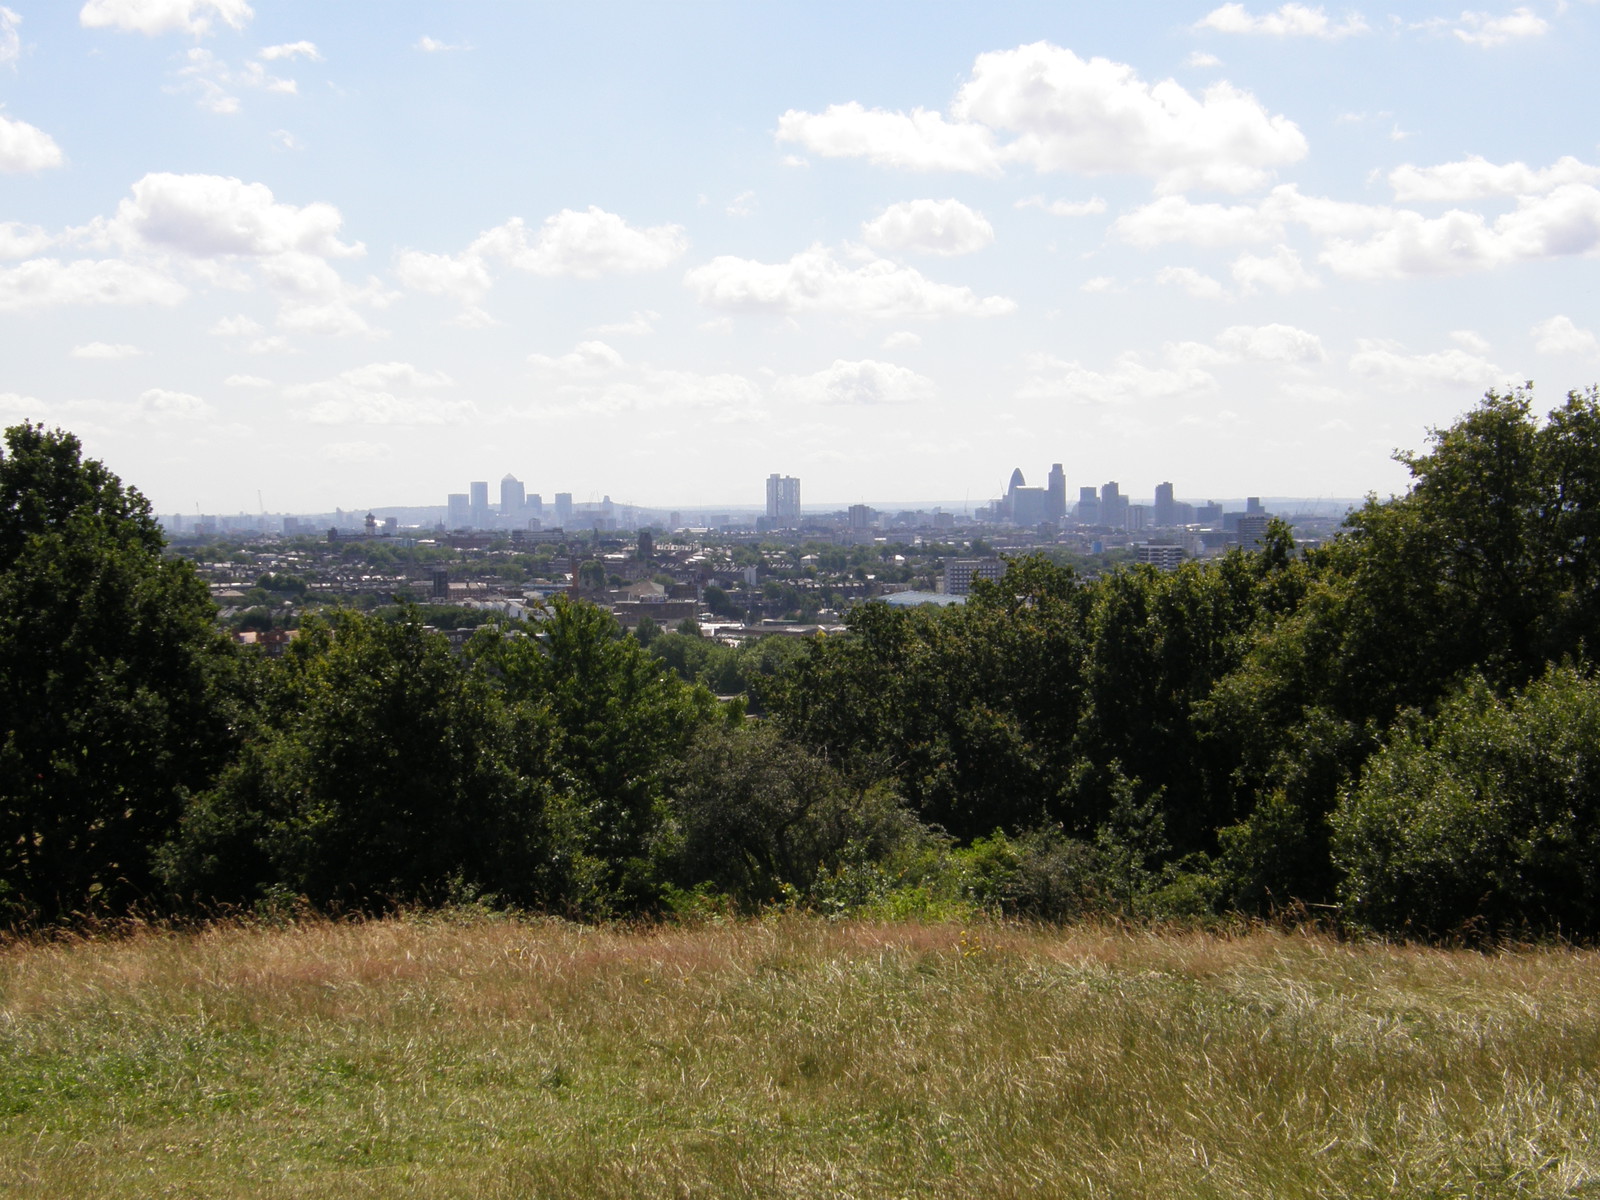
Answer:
[(475, 1056)]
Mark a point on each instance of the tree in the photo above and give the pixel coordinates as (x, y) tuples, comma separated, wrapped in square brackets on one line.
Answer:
[(111, 683)]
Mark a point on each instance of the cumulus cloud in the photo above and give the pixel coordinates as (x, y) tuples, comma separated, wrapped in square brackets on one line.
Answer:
[(816, 281), (1179, 219), (1128, 379), (386, 393), (159, 404), (1196, 283), (1482, 29), (637, 325), (742, 205), (1291, 20), (1559, 335), (1271, 343), (867, 382), (1281, 271), (593, 379), (431, 45), (210, 216), (25, 148), (1065, 113), (462, 277), (902, 339), (22, 241), (292, 50), (1091, 207), (106, 350), (586, 358), (164, 16), (1474, 178), (10, 39), (1200, 59), (1563, 222), (43, 283), (1386, 364), (212, 81), (944, 227), (585, 245)]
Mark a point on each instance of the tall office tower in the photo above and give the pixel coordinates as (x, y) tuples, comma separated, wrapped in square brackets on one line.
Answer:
[(1088, 506), (1056, 507), (563, 509), (783, 500), (1166, 512), (458, 513), (480, 503), (536, 505), (1113, 505), (861, 517), (513, 496), (1252, 505)]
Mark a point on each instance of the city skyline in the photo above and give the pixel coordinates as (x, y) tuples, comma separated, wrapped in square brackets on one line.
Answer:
[(653, 250)]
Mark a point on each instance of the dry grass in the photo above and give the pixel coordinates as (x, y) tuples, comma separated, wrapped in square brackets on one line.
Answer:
[(483, 1057)]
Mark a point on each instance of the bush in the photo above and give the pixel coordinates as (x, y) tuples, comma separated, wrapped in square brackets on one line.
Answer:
[(1486, 816)]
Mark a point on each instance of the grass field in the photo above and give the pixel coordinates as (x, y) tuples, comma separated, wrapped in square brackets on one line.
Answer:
[(473, 1056)]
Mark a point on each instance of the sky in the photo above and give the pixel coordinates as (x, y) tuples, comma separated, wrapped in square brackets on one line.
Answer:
[(301, 255)]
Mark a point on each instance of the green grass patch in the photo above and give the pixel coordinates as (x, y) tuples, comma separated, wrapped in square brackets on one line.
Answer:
[(792, 1057)]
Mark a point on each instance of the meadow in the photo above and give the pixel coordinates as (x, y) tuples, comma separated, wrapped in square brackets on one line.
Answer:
[(472, 1055)]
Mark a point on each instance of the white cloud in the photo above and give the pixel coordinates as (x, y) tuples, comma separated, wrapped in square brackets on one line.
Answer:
[(1271, 343), (25, 148), (234, 327), (1281, 272), (816, 281), (1200, 59), (637, 325), (162, 16), (915, 141), (867, 382), (307, 50), (1565, 221), (22, 241), (209, 79), (1481, 29), (902, 339), (1386, 364), (1474, 178), (335, 318), (1128, 379), (48, 283), (585, 359), (246, 381), (430, 45), (1470, 340), (387, 393), (464, 277), (1098, 283), (1558, 335), (1290, 20), (159, 404), (208, 216), (742, 205), (585, 245), (10, 39), (1067, 114), (1178, 219), (944, 227), (1198, 284), (284, 140), (106, 350), (1091, 207)]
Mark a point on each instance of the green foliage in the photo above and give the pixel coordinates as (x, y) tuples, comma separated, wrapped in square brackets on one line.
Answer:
[(113, 696), (1486, 814)]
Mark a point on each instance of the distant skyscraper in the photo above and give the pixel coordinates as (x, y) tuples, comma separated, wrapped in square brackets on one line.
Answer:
[(1088, 507), (1056, 508), (1113, 505), (1165, 510), (536, 505), (513, 496), (563, 509), (458, 514), (480, 503), (783, 500)]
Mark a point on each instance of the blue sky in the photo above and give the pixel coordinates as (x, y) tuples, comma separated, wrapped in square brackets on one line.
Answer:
[(356, 254)]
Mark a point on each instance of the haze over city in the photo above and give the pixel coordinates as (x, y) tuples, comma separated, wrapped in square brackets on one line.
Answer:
[(301, 256)]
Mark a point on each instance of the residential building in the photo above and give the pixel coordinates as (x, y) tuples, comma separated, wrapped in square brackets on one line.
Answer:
[(960, 572)]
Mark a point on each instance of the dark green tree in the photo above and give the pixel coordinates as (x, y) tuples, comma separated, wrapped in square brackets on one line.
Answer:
[(113, 696)]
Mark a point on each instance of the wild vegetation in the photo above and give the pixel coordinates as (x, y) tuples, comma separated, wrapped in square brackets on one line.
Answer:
[(1397, 729), (456, 1054)]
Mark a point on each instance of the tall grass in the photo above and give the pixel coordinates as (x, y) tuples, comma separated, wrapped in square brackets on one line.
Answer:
[(477, 1056)]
